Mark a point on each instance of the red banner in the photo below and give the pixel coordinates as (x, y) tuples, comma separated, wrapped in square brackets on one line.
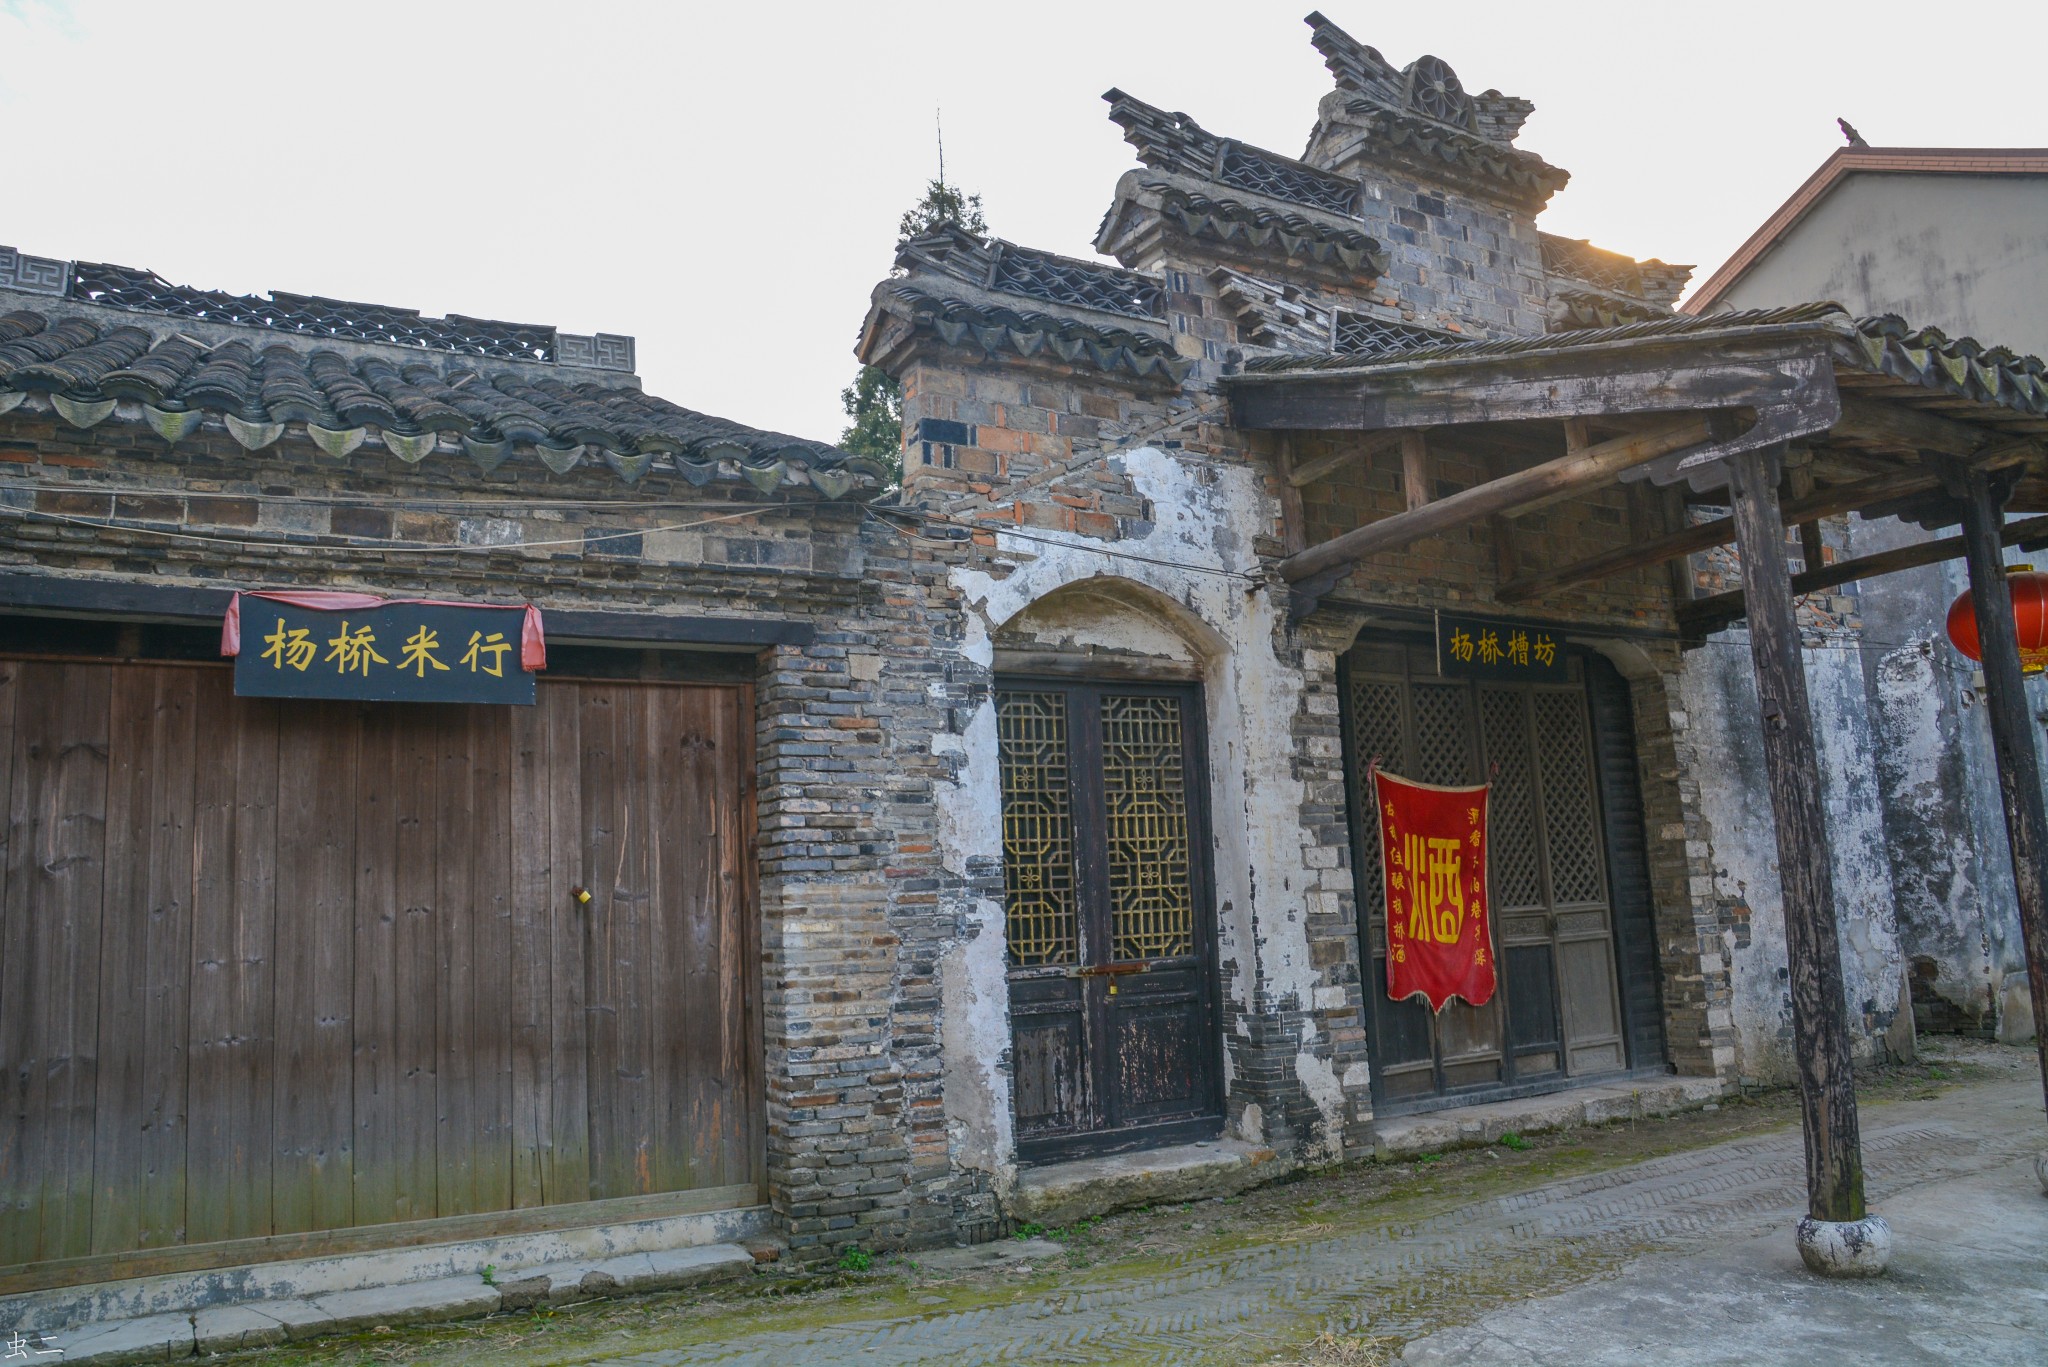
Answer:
[(1433, 851)]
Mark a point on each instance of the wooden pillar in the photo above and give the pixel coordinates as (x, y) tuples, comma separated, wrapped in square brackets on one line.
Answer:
[(2012, 738), (1827, 1096)]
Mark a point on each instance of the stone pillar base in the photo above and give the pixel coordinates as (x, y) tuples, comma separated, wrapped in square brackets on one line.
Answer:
[(2041, 1169), (1845, 1248)]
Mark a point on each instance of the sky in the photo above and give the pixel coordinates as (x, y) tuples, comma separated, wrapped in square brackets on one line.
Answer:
[(723, 181)]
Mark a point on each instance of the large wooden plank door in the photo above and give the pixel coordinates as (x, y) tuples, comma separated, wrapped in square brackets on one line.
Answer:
[(1557, 1014), (1112, 961), (272, 968)]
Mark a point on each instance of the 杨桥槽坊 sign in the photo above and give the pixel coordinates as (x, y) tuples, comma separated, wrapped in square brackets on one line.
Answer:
[(369, 649), (1433, 857), (1520, 652)]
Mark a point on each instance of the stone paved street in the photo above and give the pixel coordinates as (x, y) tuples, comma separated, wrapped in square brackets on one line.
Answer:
[(1683, 1258)]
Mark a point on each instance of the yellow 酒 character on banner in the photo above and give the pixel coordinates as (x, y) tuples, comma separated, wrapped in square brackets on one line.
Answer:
[(294, 647), (493, 645), (354, 650), (419, 652)]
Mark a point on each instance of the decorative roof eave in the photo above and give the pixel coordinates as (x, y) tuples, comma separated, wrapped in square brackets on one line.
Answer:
[(1244, 224), (1442, 153), (1882, 346), (1014, 271), (990, 327), (345, 402), (1575, 304)]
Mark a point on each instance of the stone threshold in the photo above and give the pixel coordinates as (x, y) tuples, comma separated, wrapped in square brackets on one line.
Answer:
[(1595, 1104), (151, 1319), (1058, 1194)]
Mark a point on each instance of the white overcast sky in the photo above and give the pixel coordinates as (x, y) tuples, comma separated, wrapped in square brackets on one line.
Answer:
[(723, 181)]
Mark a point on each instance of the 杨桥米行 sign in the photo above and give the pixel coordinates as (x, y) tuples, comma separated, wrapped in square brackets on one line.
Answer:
[(368, 649)]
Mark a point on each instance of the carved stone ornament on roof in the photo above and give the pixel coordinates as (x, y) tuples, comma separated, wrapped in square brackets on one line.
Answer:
[(1434, 91), (1174, 142)]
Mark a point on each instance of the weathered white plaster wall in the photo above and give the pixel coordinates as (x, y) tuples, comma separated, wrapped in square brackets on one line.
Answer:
[(1719, 696), (1119, 596)]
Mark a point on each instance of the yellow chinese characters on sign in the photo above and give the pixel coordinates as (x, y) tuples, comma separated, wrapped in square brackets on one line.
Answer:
[(401, 651)]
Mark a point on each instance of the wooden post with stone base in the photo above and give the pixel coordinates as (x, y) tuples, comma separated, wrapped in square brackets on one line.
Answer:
[(2012, 737), (1838, 1237)]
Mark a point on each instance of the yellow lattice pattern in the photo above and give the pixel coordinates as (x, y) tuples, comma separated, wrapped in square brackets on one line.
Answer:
[(1038, 829), (1144, 790)]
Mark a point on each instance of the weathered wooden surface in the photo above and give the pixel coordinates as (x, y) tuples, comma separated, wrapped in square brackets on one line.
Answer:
[(2012, 738), (1705, 615), (269, 970), (1592, 381), (1415, 469), (1827, 1096), (1534, 486)]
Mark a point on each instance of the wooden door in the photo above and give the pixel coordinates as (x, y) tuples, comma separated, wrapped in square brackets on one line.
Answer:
[(275, 968), (1557, 1012), (1111, 949)]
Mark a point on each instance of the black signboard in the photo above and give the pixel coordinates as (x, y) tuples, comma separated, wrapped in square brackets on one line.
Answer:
[(390, 652), (1477, 648)]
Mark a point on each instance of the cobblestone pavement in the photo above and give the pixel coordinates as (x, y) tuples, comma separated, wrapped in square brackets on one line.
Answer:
[(1410, 1279)]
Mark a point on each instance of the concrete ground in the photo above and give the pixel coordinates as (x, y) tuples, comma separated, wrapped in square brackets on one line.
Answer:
[(1663, 1241)]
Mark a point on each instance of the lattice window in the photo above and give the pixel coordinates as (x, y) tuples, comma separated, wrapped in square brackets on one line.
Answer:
[(1516, 873), (1443, 728), (1144, 789), (1364, 336), (1248, 168), (1375, 730), (1038, 829), (1571, 815), (1039, 275)]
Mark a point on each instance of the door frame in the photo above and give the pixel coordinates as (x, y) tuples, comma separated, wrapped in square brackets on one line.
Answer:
[(1044, 673), (1630, 1029)]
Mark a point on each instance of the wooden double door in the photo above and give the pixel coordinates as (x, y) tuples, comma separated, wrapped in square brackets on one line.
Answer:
[(269, 968), (1112, 965), (1569, 887)]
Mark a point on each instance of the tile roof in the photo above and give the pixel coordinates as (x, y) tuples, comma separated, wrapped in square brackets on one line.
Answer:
[(1204, 209), (993, 327), (1882, 346), (89, 360), (1175, 142), (1028, 273)]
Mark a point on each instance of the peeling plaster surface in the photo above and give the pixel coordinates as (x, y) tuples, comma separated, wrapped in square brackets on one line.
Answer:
[(1719, 696), (1206, 519)]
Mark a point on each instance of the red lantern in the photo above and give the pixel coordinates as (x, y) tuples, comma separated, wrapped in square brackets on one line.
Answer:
[(2029, 619)]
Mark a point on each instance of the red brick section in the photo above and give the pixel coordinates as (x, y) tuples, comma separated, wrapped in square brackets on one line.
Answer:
[(1846, 161)]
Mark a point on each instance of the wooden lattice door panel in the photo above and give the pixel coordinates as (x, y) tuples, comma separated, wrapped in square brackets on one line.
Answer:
[(1112, 971), (1557, 1010)]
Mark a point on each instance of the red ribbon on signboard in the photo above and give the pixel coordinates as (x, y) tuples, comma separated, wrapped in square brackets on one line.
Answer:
[(1433, 856), (533, 650)]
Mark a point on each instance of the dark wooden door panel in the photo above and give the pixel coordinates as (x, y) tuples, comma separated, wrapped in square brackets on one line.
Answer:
[(276, 967), (1112, 968)]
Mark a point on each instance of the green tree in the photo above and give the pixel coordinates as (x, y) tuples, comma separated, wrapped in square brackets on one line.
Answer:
[(874, 401)]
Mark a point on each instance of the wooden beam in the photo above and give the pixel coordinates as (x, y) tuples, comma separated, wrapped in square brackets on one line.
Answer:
[(1415, 469), (1633, 379), (1828, 502), (1540, 483), (1293, 517), (2012, 733), (1705, 615), (1812, 552), (1893, 424), (1820, 1035), (1308, 472)]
